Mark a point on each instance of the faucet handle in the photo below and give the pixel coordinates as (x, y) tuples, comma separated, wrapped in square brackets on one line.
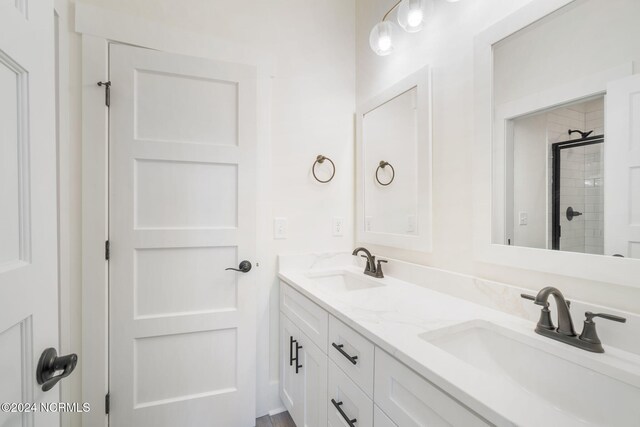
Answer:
[(545, 321), (379, 273), (589, 315), (589, 334), (532, 298)]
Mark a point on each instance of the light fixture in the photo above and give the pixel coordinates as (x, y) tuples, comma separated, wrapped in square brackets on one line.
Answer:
[(411, 15), (381, 38)]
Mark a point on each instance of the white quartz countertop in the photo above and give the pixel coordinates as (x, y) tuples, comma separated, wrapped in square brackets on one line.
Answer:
[(394, 316)]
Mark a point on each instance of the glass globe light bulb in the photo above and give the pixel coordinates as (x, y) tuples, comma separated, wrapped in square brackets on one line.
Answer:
[(381, 38), (411, 15)]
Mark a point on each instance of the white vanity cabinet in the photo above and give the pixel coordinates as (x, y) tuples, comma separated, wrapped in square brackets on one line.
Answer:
[(330, 375)]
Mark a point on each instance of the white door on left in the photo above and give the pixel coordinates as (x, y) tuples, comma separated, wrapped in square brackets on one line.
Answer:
[(28, 222)]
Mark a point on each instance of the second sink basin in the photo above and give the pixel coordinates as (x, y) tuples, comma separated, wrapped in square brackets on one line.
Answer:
[(560, 382)]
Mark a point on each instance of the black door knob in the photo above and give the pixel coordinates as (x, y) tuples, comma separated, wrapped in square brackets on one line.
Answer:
[(244, 267), (571, 213), (50, 363)]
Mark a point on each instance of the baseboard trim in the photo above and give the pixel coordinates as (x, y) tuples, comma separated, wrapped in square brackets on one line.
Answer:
[(277, 411)]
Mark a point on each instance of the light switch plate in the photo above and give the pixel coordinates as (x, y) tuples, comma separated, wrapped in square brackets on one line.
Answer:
[(524, 218), (337, 225), (367, 223), (280, 228)]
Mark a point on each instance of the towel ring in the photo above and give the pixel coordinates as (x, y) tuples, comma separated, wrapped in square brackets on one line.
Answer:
[(383, 165), (320, 159)]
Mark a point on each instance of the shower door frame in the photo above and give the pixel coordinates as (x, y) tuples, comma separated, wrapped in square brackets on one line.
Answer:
[(556, 231)]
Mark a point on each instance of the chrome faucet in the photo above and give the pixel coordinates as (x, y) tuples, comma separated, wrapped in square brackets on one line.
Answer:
[(588, 339), (371, 269)]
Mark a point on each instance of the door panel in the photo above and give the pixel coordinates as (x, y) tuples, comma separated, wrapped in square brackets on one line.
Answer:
[(160, 273), (28, 214), (213, 107), (622, 168), (166, 198), (182, 209)]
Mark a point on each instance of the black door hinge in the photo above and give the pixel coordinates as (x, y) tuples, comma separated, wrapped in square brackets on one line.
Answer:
[(107, 250), (107, 92), (107, 403)]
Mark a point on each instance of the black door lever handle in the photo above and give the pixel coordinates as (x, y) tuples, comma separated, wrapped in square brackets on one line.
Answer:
[(244, 267), (50, 363)]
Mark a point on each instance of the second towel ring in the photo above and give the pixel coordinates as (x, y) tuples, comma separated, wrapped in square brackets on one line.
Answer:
[(383, 165), (320, 159)]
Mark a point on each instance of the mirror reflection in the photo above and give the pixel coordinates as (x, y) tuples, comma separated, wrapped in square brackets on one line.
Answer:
[(390, 139), (566, 131)]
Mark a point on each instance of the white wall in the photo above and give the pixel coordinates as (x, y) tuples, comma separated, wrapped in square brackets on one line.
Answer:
[(530, 181), (447, 44), (311, 112)]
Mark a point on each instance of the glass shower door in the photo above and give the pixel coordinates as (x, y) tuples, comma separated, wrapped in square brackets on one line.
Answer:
[(578, 202)]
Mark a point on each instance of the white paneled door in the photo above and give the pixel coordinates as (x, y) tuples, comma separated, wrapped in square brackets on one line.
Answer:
[(182, 211), (622, 168), (28, 217)]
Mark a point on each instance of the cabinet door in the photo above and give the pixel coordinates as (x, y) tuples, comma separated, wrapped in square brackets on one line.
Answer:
[(312, 378), (290, 390)]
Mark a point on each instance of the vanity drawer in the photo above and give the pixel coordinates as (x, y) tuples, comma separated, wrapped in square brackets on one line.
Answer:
[(346, 346), (347, 396), (412, 401), (306, 315)]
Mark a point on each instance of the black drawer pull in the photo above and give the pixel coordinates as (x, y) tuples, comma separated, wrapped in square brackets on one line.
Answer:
[(298, 347), (351, 422), (352, 359), (291, 341)]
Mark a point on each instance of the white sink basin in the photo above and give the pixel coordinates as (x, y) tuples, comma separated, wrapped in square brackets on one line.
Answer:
[(592, 397), (344, 281)]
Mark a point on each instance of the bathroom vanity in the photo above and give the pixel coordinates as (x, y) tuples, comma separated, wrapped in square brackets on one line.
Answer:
[(362, 351)]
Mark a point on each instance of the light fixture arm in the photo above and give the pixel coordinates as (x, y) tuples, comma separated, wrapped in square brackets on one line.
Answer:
[(391, 10)]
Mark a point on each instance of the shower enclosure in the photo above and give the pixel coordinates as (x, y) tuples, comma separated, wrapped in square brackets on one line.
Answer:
[(577, 195)]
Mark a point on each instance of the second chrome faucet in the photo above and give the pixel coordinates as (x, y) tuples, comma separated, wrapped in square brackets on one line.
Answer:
[(371, 269)]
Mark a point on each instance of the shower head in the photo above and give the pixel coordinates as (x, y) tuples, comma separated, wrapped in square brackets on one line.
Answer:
[(583, 135)]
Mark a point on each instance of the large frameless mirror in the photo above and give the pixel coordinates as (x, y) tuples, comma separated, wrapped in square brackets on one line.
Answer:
[(566, 131)]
